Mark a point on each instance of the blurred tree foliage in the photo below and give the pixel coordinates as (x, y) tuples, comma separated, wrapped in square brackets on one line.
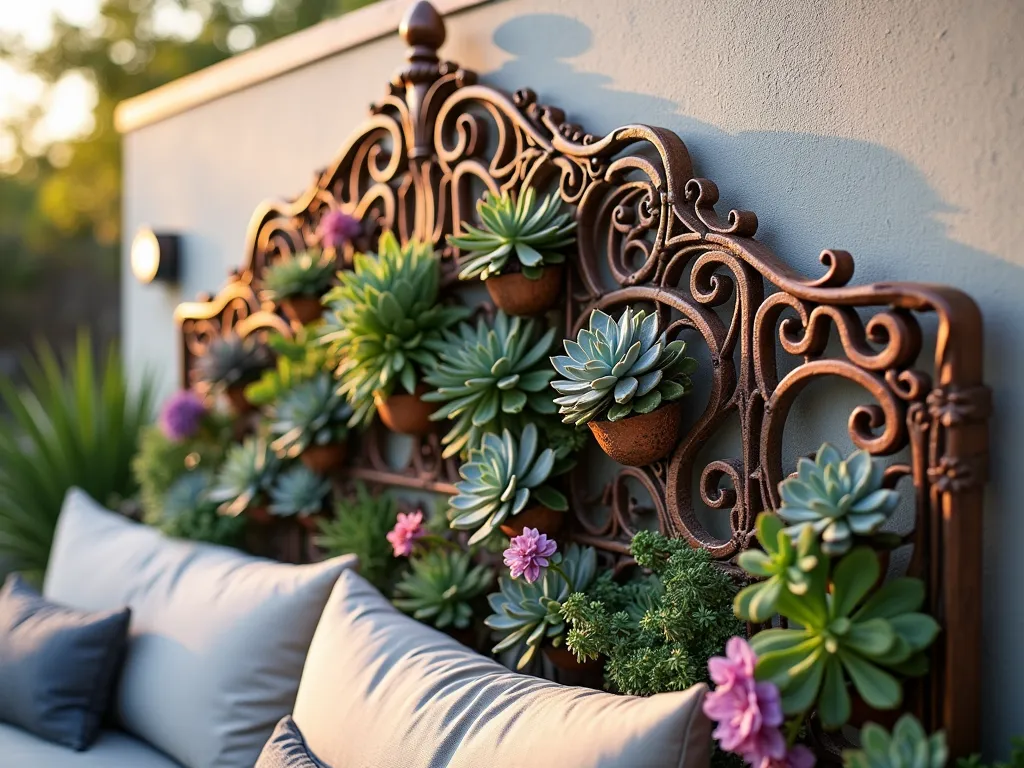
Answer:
[(63, 201)]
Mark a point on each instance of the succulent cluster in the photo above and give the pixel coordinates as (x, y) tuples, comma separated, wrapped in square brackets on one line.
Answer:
[(838, 498), (614, 369), (305, 274), (187, 512), (517, 232), (782, 565), (388, 322), (248, 473), (908, 746), (232, 361), (359, 526), (488, 376), (500, 479), (311, 413), (526, 614), (298, 491), (440, 586), (299, 358)]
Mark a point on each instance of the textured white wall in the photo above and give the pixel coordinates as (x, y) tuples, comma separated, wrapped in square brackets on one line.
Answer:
[(892, 129)]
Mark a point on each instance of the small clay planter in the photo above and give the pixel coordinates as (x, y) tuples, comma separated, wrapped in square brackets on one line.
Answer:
[(565, 659), (404, 413), (311, 522), (518, 295), (239, 402), (540, 517), (324, 459), (639, 440), (259, 515), (302, 309)]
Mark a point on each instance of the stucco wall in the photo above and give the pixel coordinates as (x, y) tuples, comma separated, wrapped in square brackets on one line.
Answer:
[(892, 129)]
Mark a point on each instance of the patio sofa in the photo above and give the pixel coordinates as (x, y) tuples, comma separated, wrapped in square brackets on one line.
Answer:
[(221, 647)]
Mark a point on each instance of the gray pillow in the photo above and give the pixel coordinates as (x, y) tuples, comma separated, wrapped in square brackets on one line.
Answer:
[(217, 638), (57, 665), (287, 749), (380, 689)]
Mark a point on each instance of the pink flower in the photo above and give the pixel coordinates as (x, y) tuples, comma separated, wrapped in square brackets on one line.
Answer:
[(748, 713), (529, 553), (337, 228), (182, 415), (408, 528)]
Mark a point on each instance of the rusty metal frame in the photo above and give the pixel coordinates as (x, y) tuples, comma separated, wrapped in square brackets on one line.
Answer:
[(438, 138)]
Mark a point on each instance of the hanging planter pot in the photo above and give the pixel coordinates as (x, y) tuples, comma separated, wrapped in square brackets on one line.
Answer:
[(640, 440), (516, 294), (544, 519), (302, 309), (566, 660), (259, 514), (324, 459), (311, 522), (404, 413)]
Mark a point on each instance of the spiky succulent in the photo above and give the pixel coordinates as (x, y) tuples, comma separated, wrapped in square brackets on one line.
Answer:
[(614, 368), (312, 413), (500, 479), (388, 322), (359, 526), (525, 614), (232, 361), (247, 474), (908, 746), (305, 274), (299, 358), (488, 377), (187, 512), (298, 491), (839, 498), (522, 231), (439, 588)]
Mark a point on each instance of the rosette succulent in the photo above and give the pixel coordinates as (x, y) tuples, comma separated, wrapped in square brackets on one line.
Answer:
[(500, 479), (838, 498), (440, 586), (232, 361), (187, 512), (615, 369), (305, 274), (248, 472), (298, 491), (528, 614), (517, 232), (388, 322), (312, 413), (908, 746), (489, 378)]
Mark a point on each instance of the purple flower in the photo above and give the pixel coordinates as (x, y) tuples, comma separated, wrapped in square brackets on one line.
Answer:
[(529, 553), (337, 228), (182, 415), (748, 713), (798, 756), (408, 528)]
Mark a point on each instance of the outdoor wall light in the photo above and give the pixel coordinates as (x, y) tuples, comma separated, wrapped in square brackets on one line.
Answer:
[(155, 257)]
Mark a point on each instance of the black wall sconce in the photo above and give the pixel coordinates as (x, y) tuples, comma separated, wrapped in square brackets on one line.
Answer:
[(155, 258)]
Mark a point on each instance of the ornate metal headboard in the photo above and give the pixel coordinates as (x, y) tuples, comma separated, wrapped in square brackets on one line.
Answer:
[(649, 232)]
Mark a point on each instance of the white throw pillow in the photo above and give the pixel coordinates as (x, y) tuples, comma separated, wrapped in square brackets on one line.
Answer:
[(381, 690), (217, 638)]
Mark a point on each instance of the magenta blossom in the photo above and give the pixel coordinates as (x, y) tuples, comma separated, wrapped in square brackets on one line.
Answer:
[(798, 756), (529, 553), (337, 228), (408, 528), (182, 415), (748, 712)]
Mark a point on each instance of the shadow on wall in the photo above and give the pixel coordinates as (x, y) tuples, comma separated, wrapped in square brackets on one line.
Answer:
[(814, 192)]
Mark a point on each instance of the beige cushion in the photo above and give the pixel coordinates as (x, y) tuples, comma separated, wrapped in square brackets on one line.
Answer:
[(381, 690), (20, 749), (217, 638)]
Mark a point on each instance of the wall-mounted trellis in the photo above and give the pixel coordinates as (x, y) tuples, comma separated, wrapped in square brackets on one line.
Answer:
[(438, 138)]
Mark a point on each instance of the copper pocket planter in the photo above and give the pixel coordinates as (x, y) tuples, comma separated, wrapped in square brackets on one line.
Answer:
[(544, 519), (302, 309), (404, 413), (324, 459), (518, 295), (639, 440)]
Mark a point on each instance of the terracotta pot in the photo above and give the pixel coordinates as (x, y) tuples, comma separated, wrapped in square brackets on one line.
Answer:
[(239, 402), (518, 295), (540, 517), (259, 515), (639, 440), (302, 309), (565, 659), (311, 522), (404, 413), (324, 459)]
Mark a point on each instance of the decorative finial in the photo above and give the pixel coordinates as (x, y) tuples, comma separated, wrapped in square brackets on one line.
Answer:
[(423, 28)]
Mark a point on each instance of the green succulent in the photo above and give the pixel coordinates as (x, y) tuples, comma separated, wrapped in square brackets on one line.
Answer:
[(299, 359), (187, 512), (528, 234), (388, 322), (838, 498), (614, 369), (783, 565), (439, 588), (846, 638), (305, 274), (359, 526), (525, 614), (490, 378), (298, 491), (232, 361), (908, 746), (248, 472), (499, 481), (311, 413)]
